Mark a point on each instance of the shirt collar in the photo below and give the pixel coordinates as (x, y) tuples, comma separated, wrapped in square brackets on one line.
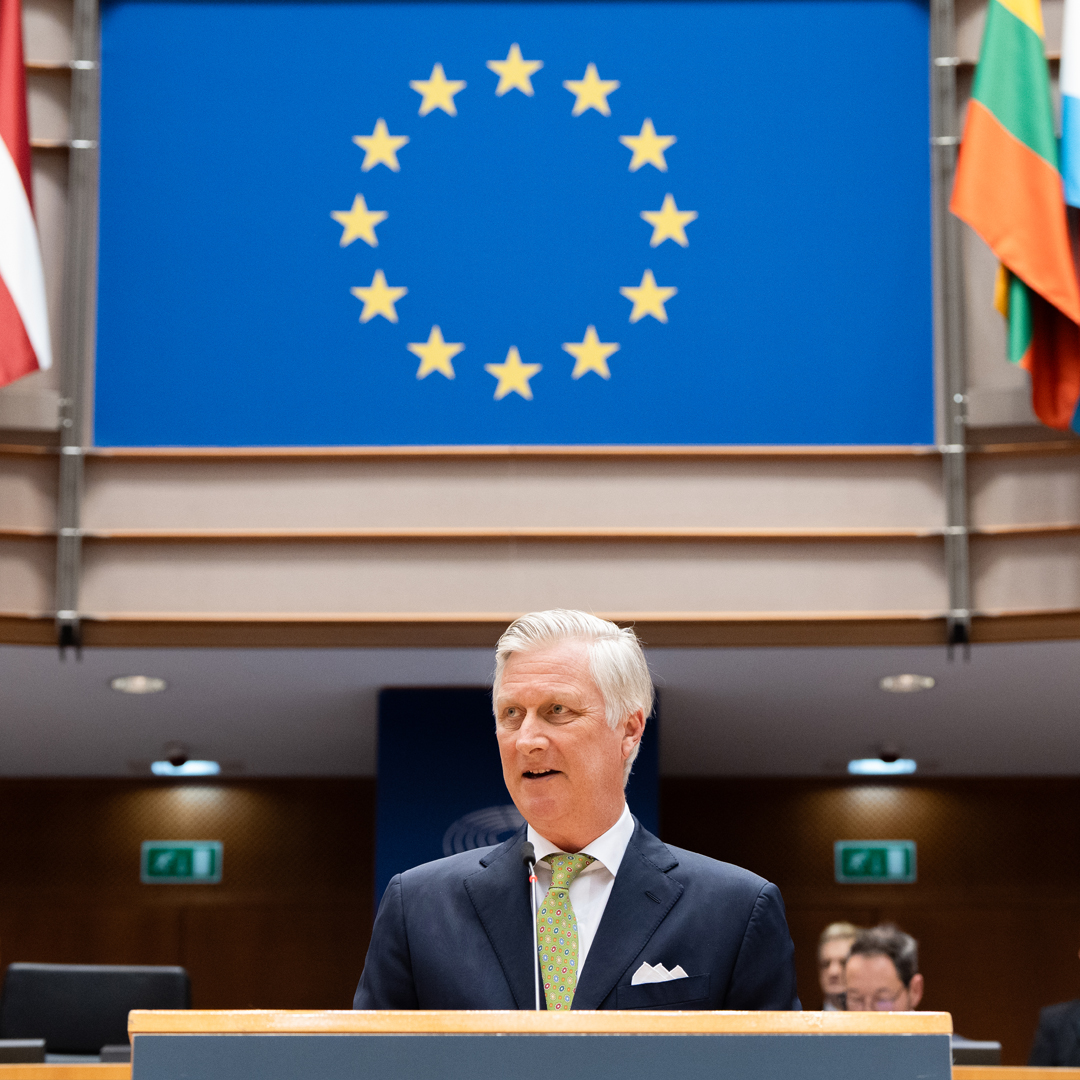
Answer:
[(608, 848)]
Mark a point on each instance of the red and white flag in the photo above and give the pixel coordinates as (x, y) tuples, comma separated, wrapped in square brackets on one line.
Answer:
[(24, 324)]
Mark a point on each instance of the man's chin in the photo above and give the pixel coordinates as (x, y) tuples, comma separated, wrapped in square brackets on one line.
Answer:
[(540, 800)]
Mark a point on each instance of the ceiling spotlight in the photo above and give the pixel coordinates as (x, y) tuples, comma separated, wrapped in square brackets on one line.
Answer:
[(876, 767), (138, 684), (906, 684), (187, 768)]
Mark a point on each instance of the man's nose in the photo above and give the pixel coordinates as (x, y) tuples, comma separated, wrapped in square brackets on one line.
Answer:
[(531, 735)]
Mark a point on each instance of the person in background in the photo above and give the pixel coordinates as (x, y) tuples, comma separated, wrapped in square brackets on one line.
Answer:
[(833, 948), (882, 971), (882, 974), (1057, 1041)]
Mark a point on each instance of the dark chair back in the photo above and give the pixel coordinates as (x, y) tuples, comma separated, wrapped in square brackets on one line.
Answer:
[(79, 1008)]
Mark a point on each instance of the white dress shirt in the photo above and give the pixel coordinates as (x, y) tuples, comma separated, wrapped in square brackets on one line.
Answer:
[(590, 890)]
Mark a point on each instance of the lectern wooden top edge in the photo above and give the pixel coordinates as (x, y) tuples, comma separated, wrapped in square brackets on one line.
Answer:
[(65, 1071), (636, 1022)]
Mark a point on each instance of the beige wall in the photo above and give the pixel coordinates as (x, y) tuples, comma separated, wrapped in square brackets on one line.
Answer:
[(717, 536), (770, 535)]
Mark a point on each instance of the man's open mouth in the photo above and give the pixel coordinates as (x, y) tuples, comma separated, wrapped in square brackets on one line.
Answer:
[(538, 774)]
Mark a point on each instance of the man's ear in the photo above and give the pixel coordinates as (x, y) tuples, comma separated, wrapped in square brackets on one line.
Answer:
[(633, 729), (915, 990)]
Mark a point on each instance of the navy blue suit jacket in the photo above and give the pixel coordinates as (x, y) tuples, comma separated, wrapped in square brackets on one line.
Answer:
[(1057, 1042), (457, 934)]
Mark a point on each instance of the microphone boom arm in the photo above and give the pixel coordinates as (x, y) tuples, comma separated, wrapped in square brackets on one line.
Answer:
[(528, 857)]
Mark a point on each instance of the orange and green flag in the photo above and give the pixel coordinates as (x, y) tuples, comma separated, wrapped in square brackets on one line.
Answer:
[(1009, 189)]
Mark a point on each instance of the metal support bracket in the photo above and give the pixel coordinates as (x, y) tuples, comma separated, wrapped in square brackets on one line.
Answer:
[(949, 344), (79, 293)]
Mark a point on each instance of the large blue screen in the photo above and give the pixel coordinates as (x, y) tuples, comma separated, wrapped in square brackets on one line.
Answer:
[(734, 193)]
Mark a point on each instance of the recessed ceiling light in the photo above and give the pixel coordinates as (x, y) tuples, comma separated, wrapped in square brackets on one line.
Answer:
[(188, 768), (873, 766), (138, 684), (906, 684)]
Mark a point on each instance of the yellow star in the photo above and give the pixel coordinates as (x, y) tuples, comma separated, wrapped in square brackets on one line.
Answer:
[(592, 92), (380, 147), (379, 298), (591, 354), (513, 375), (359, 222), (435, 354), (648, 147), (438, 91), (514, 72), (669, 223), (648, 298)]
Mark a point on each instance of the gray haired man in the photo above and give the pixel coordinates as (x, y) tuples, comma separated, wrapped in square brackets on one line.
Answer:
[(623, 921)]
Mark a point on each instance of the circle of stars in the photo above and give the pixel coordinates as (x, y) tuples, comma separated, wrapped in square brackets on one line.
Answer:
[(437, 92)]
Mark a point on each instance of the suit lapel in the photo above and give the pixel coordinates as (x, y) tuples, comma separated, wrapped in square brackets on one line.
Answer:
[(630, 918), (500, 894)]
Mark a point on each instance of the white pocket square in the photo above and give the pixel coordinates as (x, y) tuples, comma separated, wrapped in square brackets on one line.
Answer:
[(655, 973)]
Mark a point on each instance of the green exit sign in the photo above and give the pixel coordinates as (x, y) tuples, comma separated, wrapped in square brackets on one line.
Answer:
[(870, 861), (191, 862)]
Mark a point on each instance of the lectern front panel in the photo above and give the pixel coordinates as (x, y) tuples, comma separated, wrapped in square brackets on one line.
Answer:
[(542, 1057)]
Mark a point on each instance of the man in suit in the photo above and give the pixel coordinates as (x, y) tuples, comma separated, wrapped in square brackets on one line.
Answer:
[(1057, 1041), (882, 971), (882, 974), (623, 921)]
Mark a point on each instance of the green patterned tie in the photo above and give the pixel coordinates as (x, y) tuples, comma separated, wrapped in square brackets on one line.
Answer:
[(556, 931)]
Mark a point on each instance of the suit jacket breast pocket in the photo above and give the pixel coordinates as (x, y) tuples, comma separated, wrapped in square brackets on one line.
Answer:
[(688, 993)]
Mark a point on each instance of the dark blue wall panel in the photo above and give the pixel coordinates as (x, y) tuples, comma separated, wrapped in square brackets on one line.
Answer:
[(440, 786)]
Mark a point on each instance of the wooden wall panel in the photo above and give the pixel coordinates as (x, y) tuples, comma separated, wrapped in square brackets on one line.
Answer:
[(69, 934), (996, 908), (304, 956), (287, 927)]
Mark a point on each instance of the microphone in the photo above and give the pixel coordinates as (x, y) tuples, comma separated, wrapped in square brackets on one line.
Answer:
[(528, 859)]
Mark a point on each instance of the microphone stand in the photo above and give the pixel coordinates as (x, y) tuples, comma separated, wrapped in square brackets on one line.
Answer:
[(528, 857)]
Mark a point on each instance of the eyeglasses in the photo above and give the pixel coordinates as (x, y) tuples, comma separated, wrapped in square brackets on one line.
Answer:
[(874, 1004)]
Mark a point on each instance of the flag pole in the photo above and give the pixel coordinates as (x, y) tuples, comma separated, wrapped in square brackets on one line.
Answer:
[(949, 336), (79, 321)]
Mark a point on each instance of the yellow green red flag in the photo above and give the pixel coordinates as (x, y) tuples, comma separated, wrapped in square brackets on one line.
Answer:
[(1008, 188)]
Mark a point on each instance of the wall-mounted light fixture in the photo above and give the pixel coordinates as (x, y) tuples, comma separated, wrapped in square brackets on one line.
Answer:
[(187, 768), (906, 684), (877, 767), (138, 684)]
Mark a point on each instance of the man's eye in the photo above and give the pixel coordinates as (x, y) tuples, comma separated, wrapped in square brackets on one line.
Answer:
[(557, 708)]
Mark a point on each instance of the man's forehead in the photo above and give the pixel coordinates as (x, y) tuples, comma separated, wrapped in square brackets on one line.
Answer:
[(836, 947), (873, 965), (563, 668)]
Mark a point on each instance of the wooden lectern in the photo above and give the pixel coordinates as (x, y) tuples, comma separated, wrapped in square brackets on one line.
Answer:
[(257, 1045)]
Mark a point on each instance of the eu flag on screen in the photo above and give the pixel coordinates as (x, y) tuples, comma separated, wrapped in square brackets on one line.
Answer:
[(515, 223)]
